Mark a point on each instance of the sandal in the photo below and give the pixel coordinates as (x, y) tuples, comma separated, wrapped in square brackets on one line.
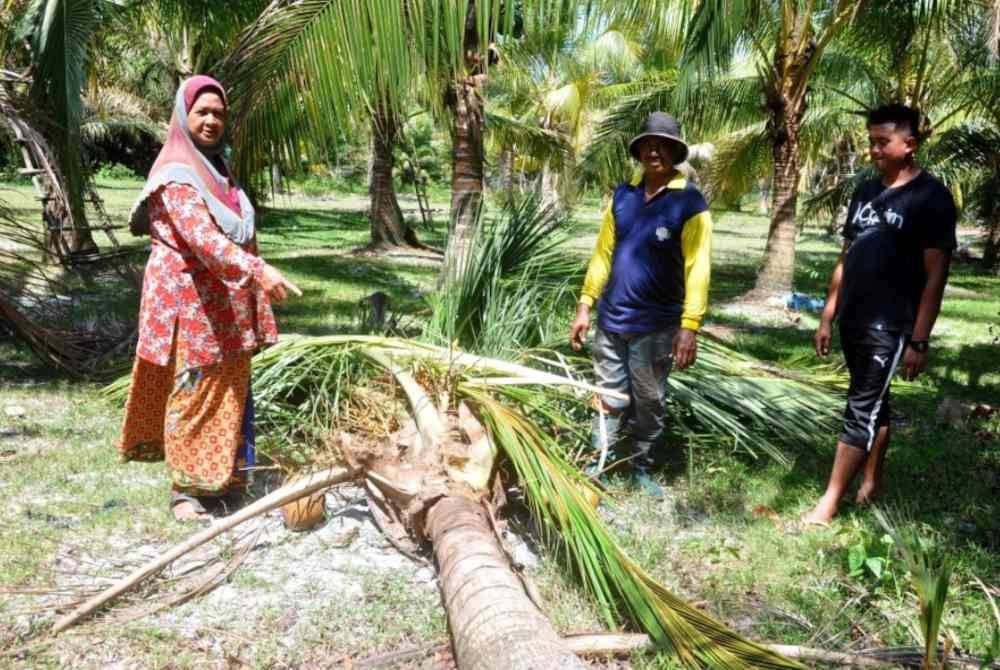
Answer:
[(178, 497)]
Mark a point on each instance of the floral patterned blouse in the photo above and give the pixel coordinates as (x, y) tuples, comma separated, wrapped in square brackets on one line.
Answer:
[(199, 283)]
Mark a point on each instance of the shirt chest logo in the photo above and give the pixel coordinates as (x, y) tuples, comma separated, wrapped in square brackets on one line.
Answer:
[(662, 233), (867, 217)]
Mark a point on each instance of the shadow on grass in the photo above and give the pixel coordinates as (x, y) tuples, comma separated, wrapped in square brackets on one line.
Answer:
[(961, 372), (774, 344), (329, 228), (730, 281), (948, 478), (20, 367), (333, 307)]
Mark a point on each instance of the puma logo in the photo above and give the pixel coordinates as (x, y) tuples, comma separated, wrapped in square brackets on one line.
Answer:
[(881, 361)]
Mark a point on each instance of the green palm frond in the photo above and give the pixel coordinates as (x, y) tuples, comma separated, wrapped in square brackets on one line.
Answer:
[(741, 159), (610, 95), (111, 111), (825, 125), (318, 59), (722, 105), (527, 138), (969, 154), (505, 294), (615, 53), (930, 573), (774, 406), (663, 24), (329, 64), (559, 497), (832, 199), (970, 146), (60, 32), (721, 29)]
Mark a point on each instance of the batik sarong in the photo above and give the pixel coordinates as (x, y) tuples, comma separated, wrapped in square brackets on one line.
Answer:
[(200, 420)]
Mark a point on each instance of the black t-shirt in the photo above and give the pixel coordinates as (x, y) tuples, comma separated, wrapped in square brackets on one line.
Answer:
[(884, 265)]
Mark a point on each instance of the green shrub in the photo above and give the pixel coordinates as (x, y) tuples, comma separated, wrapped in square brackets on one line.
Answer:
[(316, 186), (116, 172)]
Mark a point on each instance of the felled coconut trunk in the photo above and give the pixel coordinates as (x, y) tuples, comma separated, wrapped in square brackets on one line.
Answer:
[(494, 625)]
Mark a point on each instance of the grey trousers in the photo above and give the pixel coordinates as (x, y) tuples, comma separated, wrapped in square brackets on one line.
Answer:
[(638, 366)]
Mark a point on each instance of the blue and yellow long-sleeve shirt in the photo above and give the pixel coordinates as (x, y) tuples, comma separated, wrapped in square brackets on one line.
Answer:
[(652, 261)]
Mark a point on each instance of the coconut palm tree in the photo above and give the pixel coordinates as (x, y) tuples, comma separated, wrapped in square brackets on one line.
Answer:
[(741, 53), (787, 39), (389, 229), (951, 80), (188, 36), (970, 150), (61, 35), (561, 85), (332, 64)]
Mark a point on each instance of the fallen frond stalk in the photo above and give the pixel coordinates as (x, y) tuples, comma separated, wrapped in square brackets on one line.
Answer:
[(286, 494), (561, 498), (622, 644), (382, 349), (512, 371)]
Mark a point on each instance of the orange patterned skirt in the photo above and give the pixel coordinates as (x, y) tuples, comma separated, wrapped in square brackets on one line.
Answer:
[(191, 417)]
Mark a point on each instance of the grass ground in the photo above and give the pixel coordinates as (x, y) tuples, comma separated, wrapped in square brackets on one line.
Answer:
[(725, 537)]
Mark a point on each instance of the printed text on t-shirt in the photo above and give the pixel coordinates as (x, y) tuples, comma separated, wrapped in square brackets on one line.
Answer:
[(866, 217)]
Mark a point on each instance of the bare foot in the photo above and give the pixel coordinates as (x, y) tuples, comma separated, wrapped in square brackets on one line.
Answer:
[(867, 494), (185, 511), (820, 515)]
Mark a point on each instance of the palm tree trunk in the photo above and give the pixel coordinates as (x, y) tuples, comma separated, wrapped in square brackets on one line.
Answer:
[(549, 194), (388, 227), (991, 250), (79, 238), (784, 123), (506, 168), (466, 101), (494, 625), (466, 169)]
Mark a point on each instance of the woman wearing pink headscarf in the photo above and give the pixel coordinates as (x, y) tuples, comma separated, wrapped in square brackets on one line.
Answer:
[(206, 307)]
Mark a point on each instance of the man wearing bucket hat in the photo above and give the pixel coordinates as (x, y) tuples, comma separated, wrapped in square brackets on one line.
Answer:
[(650, 273)]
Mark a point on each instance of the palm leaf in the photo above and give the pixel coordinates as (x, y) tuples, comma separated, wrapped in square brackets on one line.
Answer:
[(930, 572), (329, 64), (111, 111), (741, 159), (558, 495), (755, 407), (60, 33), (514, 272), (525, 137)]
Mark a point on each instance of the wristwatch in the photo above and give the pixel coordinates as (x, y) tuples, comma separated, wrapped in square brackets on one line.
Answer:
[(920, 346)]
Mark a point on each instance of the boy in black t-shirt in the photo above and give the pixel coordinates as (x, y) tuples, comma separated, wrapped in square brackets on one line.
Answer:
[(885, 293)]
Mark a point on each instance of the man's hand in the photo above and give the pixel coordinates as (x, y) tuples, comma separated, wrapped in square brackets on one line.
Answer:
[(823, 338), (581, 324), (685, 348), (914, 363), (276, 285)]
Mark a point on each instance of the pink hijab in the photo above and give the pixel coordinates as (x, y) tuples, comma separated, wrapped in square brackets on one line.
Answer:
[(180, 162)]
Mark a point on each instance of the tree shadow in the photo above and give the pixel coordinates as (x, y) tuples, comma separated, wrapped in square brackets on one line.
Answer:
[(964, 372), (945, 476), (331, 228), (318, 312)]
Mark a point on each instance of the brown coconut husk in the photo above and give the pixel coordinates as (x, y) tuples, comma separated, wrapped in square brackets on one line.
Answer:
[(305, 513)]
